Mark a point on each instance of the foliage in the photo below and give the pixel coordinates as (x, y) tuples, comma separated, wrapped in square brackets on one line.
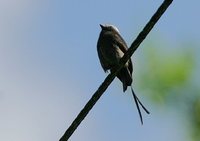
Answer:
[(165, 71), (167, 78)]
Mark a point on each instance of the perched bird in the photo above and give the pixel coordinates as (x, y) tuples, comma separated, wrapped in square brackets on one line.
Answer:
[(111, 48)]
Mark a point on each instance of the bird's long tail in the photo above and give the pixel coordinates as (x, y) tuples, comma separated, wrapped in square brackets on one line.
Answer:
[(137, 105)]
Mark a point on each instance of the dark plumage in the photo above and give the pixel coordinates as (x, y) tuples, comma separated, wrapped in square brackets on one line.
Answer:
[(111, 48)]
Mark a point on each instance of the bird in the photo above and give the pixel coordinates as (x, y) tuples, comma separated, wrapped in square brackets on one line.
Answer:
[(110, 48)]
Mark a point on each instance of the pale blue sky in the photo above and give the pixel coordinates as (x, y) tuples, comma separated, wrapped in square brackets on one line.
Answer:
[(50, 69)]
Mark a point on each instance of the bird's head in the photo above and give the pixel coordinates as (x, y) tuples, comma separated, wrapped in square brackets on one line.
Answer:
[(109, 27)]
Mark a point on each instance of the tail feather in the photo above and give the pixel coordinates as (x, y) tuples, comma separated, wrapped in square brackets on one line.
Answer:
[(137, 105), (125, 77)]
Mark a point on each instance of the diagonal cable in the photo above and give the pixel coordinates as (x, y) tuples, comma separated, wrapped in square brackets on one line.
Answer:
[(142, 35)]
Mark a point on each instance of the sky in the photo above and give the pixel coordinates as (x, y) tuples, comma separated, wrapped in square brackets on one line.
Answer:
[(50, 68)]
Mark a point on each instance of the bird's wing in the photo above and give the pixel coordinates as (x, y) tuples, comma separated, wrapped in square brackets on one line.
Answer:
[(104, 65), (120, 42), (123, 47)]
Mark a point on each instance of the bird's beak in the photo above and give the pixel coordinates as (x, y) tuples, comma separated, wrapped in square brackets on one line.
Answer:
[(102, 26)]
